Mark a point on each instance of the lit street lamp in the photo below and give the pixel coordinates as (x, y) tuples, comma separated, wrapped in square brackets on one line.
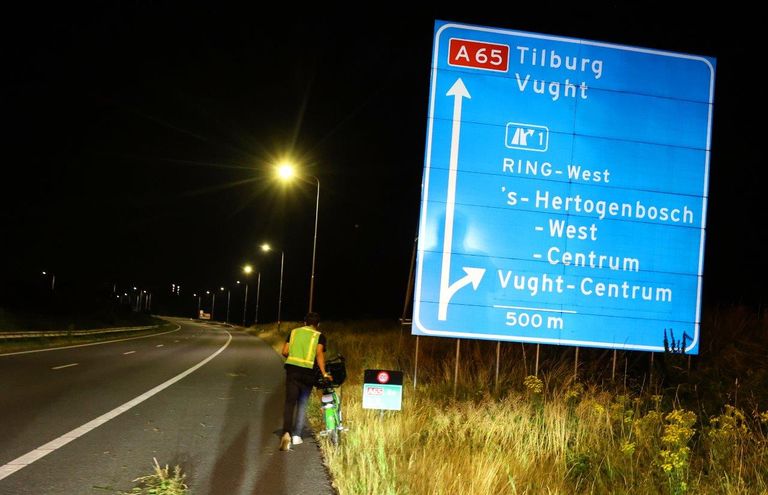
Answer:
[(198, 303), (266, 248), (286, 172)]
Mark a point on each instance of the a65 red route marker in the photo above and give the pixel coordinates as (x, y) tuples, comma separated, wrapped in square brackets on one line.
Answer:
[(478, 55)]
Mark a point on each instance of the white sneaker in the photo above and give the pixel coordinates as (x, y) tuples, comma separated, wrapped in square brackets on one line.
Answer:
[(285, 441), (297, 440)]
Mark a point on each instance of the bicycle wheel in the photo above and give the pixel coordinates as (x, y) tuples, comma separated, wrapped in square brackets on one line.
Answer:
[(334, 436)]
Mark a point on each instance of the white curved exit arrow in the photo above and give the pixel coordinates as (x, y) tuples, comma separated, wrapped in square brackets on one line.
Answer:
[(473, 275)]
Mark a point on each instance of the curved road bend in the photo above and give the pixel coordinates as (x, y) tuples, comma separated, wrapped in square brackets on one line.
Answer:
[(220, 421)]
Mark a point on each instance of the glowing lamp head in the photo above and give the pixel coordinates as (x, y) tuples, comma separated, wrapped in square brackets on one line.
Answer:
[(247, 269), (266, 247), (286, 171)]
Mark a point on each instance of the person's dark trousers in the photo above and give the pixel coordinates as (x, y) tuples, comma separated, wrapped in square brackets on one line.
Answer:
[(298, 386)]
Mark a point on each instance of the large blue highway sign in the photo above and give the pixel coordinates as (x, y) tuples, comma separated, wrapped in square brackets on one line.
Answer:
[(564, 194)]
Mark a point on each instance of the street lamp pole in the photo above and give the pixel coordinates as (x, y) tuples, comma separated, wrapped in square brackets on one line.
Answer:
[(245, 302), (286, 171), (53, 280), (247, 270), (314, 247), (213, 305), (280, 296), (258, 290), (266, 248), (229, 291)]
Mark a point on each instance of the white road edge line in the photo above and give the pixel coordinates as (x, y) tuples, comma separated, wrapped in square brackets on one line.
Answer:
[(42, 451), (64, 366), (92, 343), (159, 345), (129, 352)]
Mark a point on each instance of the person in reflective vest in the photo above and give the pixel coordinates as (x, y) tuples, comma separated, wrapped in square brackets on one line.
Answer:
[(304, 352)]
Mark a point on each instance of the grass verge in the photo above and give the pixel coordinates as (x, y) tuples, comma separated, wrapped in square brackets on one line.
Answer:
[(656, 430)]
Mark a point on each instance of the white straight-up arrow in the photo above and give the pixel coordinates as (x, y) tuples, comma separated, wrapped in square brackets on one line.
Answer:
[(473, 275)]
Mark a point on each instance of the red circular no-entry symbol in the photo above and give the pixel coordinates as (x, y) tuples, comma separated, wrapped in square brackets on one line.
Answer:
[(382, 377)]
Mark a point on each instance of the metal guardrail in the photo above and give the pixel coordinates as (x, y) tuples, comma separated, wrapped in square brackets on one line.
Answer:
[(69, 333)]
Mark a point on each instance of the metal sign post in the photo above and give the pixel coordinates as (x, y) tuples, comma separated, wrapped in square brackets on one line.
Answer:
[(498, 357), (576, 365), (456, 369), (416, 362)]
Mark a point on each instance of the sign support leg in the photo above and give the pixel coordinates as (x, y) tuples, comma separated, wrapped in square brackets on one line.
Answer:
[(576, 365), (525, 363), (613, 368), (498, 355), (538, 348), (409, 287), (456, 369), (626, 363), (416, 362)]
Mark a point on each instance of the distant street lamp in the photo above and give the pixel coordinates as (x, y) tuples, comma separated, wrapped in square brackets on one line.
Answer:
[(198, 303), (266, 248), (286, 172)]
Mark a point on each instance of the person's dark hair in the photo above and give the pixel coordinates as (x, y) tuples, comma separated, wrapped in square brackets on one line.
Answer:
[(312, 318)]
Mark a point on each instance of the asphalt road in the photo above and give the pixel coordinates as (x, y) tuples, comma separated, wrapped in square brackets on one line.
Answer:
[(220, 422)]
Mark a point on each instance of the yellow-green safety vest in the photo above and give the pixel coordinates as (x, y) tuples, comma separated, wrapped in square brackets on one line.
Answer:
[(302, 347)]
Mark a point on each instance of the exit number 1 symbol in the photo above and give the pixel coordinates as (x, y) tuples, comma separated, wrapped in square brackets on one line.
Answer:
[(478, 55)]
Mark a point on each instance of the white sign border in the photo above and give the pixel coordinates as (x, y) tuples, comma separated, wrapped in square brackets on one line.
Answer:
[(425, 188)]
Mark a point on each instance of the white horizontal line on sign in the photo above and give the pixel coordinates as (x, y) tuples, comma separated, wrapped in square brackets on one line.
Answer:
[(536, 309)]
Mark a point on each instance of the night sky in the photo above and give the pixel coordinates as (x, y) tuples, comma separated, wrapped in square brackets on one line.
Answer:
[(138, 142)]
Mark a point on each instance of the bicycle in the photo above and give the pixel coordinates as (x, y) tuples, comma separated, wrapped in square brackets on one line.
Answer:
[(331, 403)]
